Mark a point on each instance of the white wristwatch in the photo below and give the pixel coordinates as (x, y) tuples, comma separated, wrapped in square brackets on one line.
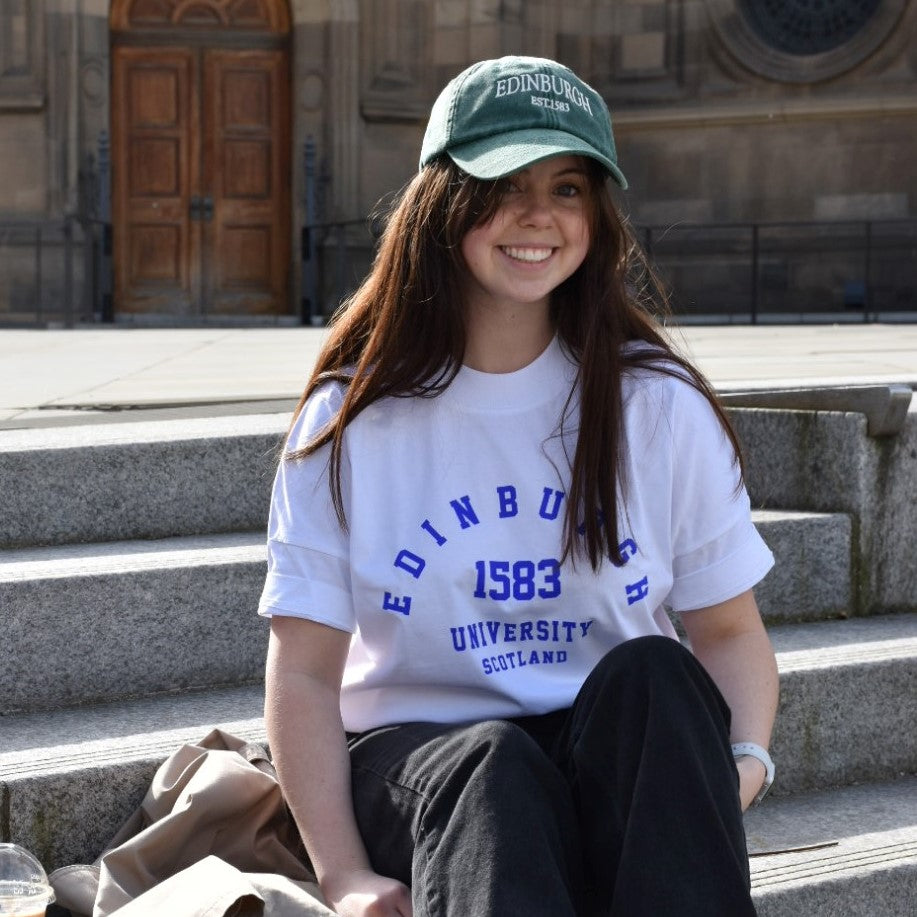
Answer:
[(756, 751)]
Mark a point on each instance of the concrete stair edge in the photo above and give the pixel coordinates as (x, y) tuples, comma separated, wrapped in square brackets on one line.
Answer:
[(128, 556), (70, 778), (133, 596), (63, 740), (850, 851), (112, 489), (111, 614), (141, 432), (841, 717)]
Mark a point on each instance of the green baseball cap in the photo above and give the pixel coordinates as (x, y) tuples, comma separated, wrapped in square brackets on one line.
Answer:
[(500, 116)]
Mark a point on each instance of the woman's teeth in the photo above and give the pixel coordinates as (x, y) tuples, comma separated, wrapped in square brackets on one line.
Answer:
[(527, 254)]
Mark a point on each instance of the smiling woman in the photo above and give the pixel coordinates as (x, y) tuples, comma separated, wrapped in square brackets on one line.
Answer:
[(499, 481), (536, 239)]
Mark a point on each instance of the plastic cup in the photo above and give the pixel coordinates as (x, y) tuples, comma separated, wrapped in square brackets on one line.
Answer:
[(24, 887)]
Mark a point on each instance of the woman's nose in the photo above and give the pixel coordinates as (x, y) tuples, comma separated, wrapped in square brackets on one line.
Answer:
[(535, 209)]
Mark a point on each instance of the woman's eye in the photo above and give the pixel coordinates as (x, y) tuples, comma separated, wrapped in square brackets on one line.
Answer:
[(567, 190)]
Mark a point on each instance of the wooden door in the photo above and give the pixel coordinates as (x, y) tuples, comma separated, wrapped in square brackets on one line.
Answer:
[(156, 159), (245, 175), (201, 180)]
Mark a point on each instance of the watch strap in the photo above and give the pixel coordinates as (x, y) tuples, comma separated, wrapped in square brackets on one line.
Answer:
[(753, 750)]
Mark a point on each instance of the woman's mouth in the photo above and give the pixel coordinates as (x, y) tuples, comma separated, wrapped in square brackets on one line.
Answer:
[(530, 255)]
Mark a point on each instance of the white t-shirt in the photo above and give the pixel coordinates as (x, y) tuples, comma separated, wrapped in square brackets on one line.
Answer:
[(448, 576)]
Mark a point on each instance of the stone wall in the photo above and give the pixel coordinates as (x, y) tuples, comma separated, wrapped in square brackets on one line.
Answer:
[(742, 144), (23, 91), (705, 131), (713, 123)]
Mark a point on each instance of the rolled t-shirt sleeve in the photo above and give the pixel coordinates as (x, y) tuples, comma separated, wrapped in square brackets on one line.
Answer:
[(717, 552), (308, 569)]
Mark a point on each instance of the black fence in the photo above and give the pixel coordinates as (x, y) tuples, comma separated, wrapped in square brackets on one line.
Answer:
[(40, 280), (759, 272), (61, 272), (718, 273)]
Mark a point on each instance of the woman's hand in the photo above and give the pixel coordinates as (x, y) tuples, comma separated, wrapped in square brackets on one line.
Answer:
[(363, 893)]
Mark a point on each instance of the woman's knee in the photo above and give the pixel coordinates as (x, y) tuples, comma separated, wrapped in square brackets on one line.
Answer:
[(650, 675), (498, 771), (497, 752), (645, 661), (645, 652)]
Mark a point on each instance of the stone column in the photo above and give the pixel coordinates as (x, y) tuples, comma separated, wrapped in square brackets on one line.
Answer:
[(541, 24), (342, 124), (62, 111)]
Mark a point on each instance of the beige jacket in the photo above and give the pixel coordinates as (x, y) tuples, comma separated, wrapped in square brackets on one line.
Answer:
[(213, 837)]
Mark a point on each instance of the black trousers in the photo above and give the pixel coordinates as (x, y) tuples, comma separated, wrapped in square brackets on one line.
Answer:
[(626, 804)]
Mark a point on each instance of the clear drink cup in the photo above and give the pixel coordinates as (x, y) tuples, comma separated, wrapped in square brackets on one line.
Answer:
[(24, 887)]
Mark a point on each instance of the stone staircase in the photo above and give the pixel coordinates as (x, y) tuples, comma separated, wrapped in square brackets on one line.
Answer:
[(131, 560), (839, 834)]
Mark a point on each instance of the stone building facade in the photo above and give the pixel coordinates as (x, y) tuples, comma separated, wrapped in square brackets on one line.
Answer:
[(231, 124)]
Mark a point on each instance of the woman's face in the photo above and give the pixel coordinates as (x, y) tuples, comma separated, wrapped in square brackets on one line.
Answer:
[(537, 238)]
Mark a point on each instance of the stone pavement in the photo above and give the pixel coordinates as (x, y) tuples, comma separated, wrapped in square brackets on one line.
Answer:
[(57, 377)]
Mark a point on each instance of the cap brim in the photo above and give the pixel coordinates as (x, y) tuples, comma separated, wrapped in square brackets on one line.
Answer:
[(502, 154)]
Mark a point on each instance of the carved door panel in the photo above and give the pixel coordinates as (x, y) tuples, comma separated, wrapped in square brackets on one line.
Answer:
[(201, 180), (155, 144), (245, 170)]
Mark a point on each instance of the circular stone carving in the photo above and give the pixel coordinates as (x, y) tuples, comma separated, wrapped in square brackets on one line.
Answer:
[(801, 41), (311, 91), (93, 82), (807, 26)]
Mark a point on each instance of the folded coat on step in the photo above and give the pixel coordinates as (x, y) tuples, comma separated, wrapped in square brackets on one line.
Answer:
[(212, 837)]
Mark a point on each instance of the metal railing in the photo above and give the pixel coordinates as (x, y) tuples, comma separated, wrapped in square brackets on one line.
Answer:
[(41, 279), (61, 271), (805, 271), (715, 272), (330, 268)]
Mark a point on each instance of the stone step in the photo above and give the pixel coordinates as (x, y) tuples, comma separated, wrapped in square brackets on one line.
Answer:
[(825, 461), (847, 711), (812, 574), (849, 851), (91, 623), (113, 482), (69, 777), (139, 480), (108, 616), (156, 479)]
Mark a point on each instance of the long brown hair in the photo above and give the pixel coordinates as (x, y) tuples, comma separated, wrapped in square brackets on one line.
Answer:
[(402, 334)]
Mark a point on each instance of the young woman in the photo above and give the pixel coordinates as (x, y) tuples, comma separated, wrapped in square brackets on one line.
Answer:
[(499, 482)]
